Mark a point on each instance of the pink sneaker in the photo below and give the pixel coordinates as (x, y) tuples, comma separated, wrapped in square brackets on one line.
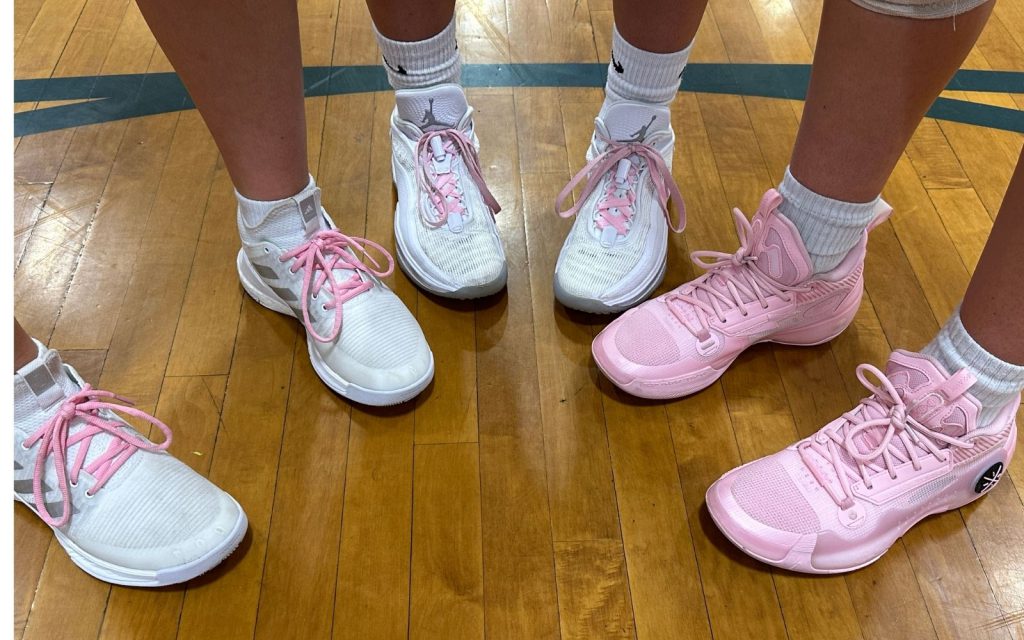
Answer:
[(684, 340), (836, 501)]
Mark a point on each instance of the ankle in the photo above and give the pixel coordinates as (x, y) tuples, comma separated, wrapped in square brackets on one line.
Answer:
[(423, 63), (643, 76), (998, 382), (829, 228)]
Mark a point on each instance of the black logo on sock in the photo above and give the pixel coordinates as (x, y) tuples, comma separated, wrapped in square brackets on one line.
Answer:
[(989, 478), (400, 70), (641, 133), (428, 117), (616, 64)]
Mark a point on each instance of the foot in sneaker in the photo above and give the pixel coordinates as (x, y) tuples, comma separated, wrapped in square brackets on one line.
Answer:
[(836, 501), (124, 510), (681, 342), (445, 234), (615, 254), (363, 342)]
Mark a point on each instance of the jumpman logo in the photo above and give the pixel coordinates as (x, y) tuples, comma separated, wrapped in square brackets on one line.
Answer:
[(641, 133), (428, 117)]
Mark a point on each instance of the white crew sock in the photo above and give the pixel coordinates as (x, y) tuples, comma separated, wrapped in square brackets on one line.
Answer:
[(998, 382), (424, 63), (829, 228), (643, 76), (288, 231)]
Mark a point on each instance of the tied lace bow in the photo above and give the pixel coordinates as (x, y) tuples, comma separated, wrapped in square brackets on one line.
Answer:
[(607, 160), (319, 257), (442, 187), (893, 415), (55, 436), (742, 282)]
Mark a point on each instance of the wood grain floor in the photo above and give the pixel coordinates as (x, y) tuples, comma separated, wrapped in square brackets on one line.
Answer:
[(521, 496)]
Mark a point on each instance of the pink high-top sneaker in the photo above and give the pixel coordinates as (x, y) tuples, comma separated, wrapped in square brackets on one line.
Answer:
[(684, 340), (836, 501)]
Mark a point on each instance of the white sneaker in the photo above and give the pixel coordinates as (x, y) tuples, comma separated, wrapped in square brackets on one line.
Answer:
[(615, 254), (363, 342), (447, 241), (124, 510)]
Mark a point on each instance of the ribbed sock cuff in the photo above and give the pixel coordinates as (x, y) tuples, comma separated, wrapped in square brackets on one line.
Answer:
[(424, 63), (998, 383), (643, 76), (829, 228), (254, 211)]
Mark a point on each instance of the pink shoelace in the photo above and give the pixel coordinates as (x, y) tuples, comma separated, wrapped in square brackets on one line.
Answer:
[(443, 188), (893, 415), (616, 197), (319, 257), (732, 281), (55, 436)]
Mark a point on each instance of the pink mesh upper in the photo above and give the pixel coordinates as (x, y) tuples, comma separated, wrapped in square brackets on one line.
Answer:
[(767, 494), (645, 341)]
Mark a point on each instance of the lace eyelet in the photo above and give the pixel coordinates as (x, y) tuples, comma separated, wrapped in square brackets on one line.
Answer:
[(72, 484), (315, 295), (266, 249), (24, 447), (89, 496), (324, 307)]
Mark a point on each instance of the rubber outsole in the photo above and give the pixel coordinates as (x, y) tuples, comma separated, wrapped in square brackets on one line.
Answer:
[(345, 388), (128, 577)]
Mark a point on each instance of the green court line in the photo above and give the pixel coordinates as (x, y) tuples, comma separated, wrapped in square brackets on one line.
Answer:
[(117, 97)]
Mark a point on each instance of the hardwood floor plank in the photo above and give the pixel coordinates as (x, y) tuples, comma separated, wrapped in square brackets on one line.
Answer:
[(593, 595), (447, 565), (223, 603), (297, 592)]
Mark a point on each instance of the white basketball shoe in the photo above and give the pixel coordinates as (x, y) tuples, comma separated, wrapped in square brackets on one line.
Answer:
[(125, 511), (447, 241), (615, 254), (363, 342)]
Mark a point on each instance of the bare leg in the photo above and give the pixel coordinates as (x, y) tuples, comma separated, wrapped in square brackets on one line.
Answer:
[(242, 64), (24, 349), (993, 308), (873, 79), (658, 26), (409, 21)]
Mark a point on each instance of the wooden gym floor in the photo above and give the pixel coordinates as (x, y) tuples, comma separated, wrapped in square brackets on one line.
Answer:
[(521, 496)]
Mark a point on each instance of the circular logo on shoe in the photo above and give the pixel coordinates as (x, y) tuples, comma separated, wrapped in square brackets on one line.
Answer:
[(989, 478)]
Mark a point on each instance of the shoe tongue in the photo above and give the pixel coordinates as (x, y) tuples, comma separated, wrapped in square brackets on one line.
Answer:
[(777, 243), (934, 397), (434, 108), (634, 122), (50, 382)]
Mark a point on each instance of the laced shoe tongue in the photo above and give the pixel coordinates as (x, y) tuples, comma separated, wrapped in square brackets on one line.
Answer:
[(433, 109), (936, 399), (52, 385), (777, 246), (633, 122)]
